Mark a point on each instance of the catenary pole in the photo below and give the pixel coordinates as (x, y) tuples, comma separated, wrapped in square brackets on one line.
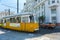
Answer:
[(17, 6)]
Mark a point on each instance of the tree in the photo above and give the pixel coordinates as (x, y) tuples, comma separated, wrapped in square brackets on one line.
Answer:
[(42, 18)]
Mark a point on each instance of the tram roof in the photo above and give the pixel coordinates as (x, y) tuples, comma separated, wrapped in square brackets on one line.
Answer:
[(16, 15)]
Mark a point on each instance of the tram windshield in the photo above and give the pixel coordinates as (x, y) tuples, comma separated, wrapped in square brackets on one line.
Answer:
[(28, 19), (25, 19)]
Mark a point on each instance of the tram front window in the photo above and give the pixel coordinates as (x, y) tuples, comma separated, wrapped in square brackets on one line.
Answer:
[(25, 19), (7, 20), (28, 19)]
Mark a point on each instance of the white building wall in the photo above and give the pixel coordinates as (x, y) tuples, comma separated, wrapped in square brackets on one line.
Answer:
[(47, 13), (33, 6), (58, 14)]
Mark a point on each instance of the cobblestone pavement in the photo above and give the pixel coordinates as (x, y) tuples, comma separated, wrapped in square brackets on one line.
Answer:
[(42, 34)]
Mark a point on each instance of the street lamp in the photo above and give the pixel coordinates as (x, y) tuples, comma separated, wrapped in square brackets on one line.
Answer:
[(17, 6)]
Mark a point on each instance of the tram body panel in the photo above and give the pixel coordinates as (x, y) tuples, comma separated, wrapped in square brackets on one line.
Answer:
[(14, 26), (1, 25), (22, 27), (4, 25), (31, 27), (35, 25)]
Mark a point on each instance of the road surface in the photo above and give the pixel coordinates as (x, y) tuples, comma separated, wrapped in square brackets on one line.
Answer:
[(42, 34)]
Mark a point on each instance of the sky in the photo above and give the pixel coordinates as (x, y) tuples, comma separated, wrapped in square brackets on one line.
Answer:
[(11, 4)]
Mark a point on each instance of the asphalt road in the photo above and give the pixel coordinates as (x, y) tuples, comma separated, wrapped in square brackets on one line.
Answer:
[(42, 34)]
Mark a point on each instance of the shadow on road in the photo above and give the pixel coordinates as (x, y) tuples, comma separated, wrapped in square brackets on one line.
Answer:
[(48, 31), (14, 35)]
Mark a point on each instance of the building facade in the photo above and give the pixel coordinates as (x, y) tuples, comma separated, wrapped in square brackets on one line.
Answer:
[(50, 9), (6, 13)]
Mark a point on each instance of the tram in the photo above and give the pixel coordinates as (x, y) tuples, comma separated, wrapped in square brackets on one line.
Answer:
[(20, 22)]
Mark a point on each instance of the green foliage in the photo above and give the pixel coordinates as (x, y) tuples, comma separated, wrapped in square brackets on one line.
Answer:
[(42, 18)]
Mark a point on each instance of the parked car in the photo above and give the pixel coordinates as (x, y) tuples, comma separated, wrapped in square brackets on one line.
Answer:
[(48, 25)]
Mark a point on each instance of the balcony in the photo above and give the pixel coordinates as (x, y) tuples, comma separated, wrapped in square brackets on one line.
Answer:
[(53, 15), (39, 3), (54, 5)]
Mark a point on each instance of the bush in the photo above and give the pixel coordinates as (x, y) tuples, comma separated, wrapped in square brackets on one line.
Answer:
[(42, 18)]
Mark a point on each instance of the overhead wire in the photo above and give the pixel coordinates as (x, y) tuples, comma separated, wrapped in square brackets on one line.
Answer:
[(8, 6)]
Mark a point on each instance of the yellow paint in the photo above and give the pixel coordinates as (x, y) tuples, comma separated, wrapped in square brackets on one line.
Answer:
[(28, 27)]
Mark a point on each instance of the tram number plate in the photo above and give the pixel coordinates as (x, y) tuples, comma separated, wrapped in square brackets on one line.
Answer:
[(15, 24)]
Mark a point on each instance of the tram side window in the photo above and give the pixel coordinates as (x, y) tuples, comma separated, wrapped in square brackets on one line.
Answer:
[(18, 19), (12, 20), (15, 20), (25, 19), (4, 21), (7, 20), (1, 21)]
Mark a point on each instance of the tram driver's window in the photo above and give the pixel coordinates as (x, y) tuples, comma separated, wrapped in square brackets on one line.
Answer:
[(7, 20), (25, 19)]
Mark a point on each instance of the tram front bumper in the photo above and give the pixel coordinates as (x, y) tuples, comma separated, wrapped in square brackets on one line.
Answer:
[(37, 29)]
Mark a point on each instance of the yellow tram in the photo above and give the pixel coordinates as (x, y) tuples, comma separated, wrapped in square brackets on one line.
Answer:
[(22, 22)]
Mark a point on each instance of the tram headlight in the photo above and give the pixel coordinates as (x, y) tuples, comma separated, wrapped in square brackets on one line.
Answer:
[(36, 29)]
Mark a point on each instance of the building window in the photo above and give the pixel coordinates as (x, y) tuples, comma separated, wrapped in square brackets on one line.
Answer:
[(57, 1), (35, 0), (24, 3), (42, 6), (38, 0), (54, 19), (42, 13), (53, 1), (38, 8), (53, 11), (49, 2)]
